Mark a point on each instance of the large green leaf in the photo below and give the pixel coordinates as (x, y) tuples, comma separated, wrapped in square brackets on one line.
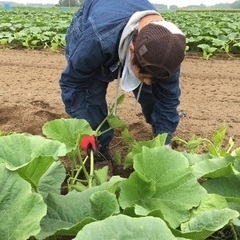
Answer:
[(225, 186), (206, 223), (159, 140), (103, 204), (30, 155), (67, 131), (211, 220), (196, 158), (20, 209), (134, 189), (211, 215), (34, 170), (213, 168), (17, 150), (237, 162), (67, 214), (52, 180), (176, 189), (123, 227)]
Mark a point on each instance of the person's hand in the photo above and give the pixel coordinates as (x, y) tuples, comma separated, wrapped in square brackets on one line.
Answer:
[(88, 143)]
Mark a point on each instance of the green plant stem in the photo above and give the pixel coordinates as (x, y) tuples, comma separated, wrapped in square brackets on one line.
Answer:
[(101, 124), (91, 169), (72, 169), (230, 145), (81, 180), (106, 130), (181, 141), (215, 150), (235, 236), (75, 163), (82, 165), (74, 179)]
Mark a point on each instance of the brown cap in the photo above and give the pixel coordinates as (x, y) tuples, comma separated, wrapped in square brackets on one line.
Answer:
[(160, 48)]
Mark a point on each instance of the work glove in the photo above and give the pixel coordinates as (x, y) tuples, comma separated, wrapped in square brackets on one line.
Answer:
[(89, 143)]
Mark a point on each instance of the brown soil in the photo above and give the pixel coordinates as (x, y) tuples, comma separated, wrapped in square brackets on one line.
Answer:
[(30, 95)]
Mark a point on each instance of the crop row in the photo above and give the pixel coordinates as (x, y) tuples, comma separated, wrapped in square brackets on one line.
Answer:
[(34, 28), (208, 32), (212, 32)]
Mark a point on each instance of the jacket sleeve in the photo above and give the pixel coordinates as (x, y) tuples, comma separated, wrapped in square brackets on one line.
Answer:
[(82, 64), (165, 116)]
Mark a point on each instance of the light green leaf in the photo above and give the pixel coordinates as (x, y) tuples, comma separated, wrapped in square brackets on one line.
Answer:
[(210, 201), (196, 158), (67, 131), (168, 172), (34, 170), (123, 227), (206, 223), (237, 165), (20, 209), (52, 180), (159, 140), (218, 42), (128, 137), (101, 175), (211, 220), (134, 189), (225, 186), (17, 150), (67, 214), (115, 122), (211, 216), (103, 204), (212, 168)]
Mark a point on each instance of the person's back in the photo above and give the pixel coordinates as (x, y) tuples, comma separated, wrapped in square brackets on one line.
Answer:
[(108, 11)]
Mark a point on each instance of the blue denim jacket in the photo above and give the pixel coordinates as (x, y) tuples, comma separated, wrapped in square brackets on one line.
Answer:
[(92, 53), (93, 38)]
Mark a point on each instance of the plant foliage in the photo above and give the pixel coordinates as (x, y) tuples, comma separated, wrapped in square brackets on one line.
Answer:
[(162, 198), (209, 32)]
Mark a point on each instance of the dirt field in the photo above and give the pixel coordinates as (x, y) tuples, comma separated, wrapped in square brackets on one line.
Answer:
[(30, 95)]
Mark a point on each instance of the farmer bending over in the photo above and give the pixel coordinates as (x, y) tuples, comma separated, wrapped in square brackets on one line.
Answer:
[(107, 37)]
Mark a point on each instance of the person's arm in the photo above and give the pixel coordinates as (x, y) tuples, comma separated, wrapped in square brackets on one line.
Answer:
[(165, 115), (81, 66)]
